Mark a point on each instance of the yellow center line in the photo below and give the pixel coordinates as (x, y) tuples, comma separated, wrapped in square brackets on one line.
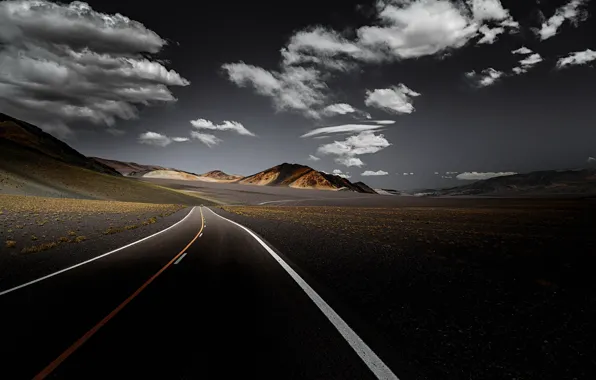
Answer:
[(70, 350)]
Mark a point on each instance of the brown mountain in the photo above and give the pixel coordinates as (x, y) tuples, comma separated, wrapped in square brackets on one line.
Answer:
[(219, 176), (303, 177)]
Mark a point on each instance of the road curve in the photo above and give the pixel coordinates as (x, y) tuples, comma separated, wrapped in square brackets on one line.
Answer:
[(205, 299)]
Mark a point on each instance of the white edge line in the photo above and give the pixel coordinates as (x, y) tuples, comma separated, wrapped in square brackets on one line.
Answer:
[(95, 258), (374, 363), (180, 258)]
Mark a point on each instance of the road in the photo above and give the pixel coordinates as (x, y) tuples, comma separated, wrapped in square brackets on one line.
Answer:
[(205, 299)]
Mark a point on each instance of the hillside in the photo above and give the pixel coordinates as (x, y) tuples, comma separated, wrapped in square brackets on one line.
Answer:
[(126, 168), (29, 137), (550, 182), (303, 177), (35, 163)]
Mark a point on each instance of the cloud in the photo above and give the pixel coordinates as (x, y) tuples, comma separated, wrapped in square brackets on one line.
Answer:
[(489, 34), (339, 173), (577, 58), (225, 126), (313, 158), (363, 143), (372, 173), (485, 78), (343, 129), (154, 138), (474, 176), (383, 122), (206, 138), (294, 88), (338, 109), (396, 99), (180, 139), (591, 159), (527, 63), (522, 50), (66, 63), (115, 131), (572, 11), (349, 161)]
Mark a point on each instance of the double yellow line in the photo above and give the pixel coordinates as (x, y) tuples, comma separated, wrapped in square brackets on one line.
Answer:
[(70, 350)]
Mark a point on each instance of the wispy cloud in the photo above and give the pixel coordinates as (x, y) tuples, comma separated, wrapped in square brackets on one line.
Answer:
[(338, 109), (206, 138), (158, 139), (344, 128), (485, 78), (475, 176), (577, 58), (225, 126), (591, 160), (522, 50), (368, 173), (572, 11), (396, 99), (313, 158), (384, 122), (66, 63), (349, 161), (527, 63)]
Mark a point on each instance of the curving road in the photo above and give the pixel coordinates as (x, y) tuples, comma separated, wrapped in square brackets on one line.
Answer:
[(205, 298)]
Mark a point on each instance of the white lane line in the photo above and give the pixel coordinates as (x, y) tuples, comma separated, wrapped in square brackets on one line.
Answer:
[(181, 257), (374, 363), (95, 258)]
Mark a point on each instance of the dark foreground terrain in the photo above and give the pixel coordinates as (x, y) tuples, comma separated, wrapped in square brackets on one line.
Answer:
[(465, 290)]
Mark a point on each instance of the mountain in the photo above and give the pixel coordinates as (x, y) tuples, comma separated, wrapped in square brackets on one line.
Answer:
[(33, 162), (219, 176), (303, 177), (549, 182), (23, 135), (126, 168)]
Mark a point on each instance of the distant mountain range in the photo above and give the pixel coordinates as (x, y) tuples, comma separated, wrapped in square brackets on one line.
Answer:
[(549, 182)]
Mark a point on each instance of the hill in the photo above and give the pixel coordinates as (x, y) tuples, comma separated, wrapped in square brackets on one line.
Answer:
[(549, 182), (33, 162), (303, 177), (219, 176), (126, 168)]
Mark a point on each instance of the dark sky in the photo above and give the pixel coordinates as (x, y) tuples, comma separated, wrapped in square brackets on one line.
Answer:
[(541, 119)]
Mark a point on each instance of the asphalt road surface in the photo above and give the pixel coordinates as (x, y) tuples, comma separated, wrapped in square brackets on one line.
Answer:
[(205, 299)]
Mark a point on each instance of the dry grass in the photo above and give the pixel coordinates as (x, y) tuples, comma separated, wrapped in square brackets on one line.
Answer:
[(11, 243), (39, 248)]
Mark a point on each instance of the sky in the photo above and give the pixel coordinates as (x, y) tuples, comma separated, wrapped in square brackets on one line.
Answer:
[(400, 94)]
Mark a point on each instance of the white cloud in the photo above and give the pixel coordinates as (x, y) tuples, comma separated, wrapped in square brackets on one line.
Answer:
[(474, 176), (571, 11), (65, 63), (489, 35), (313, 158), (396, 99), (372, 173), (349, 161), (341, 174), (154, 138), (522, 50), (591, 159), (338, 109), (225, 126), (527, 63), (206, 138), (406, 174), (577, 58), (363, 143), (343, 129), (485, 78), (384, 122), (180, 139), (436, 173), (294, 88)]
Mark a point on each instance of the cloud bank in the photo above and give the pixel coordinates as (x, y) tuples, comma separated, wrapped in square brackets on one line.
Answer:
[(476, 176)]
